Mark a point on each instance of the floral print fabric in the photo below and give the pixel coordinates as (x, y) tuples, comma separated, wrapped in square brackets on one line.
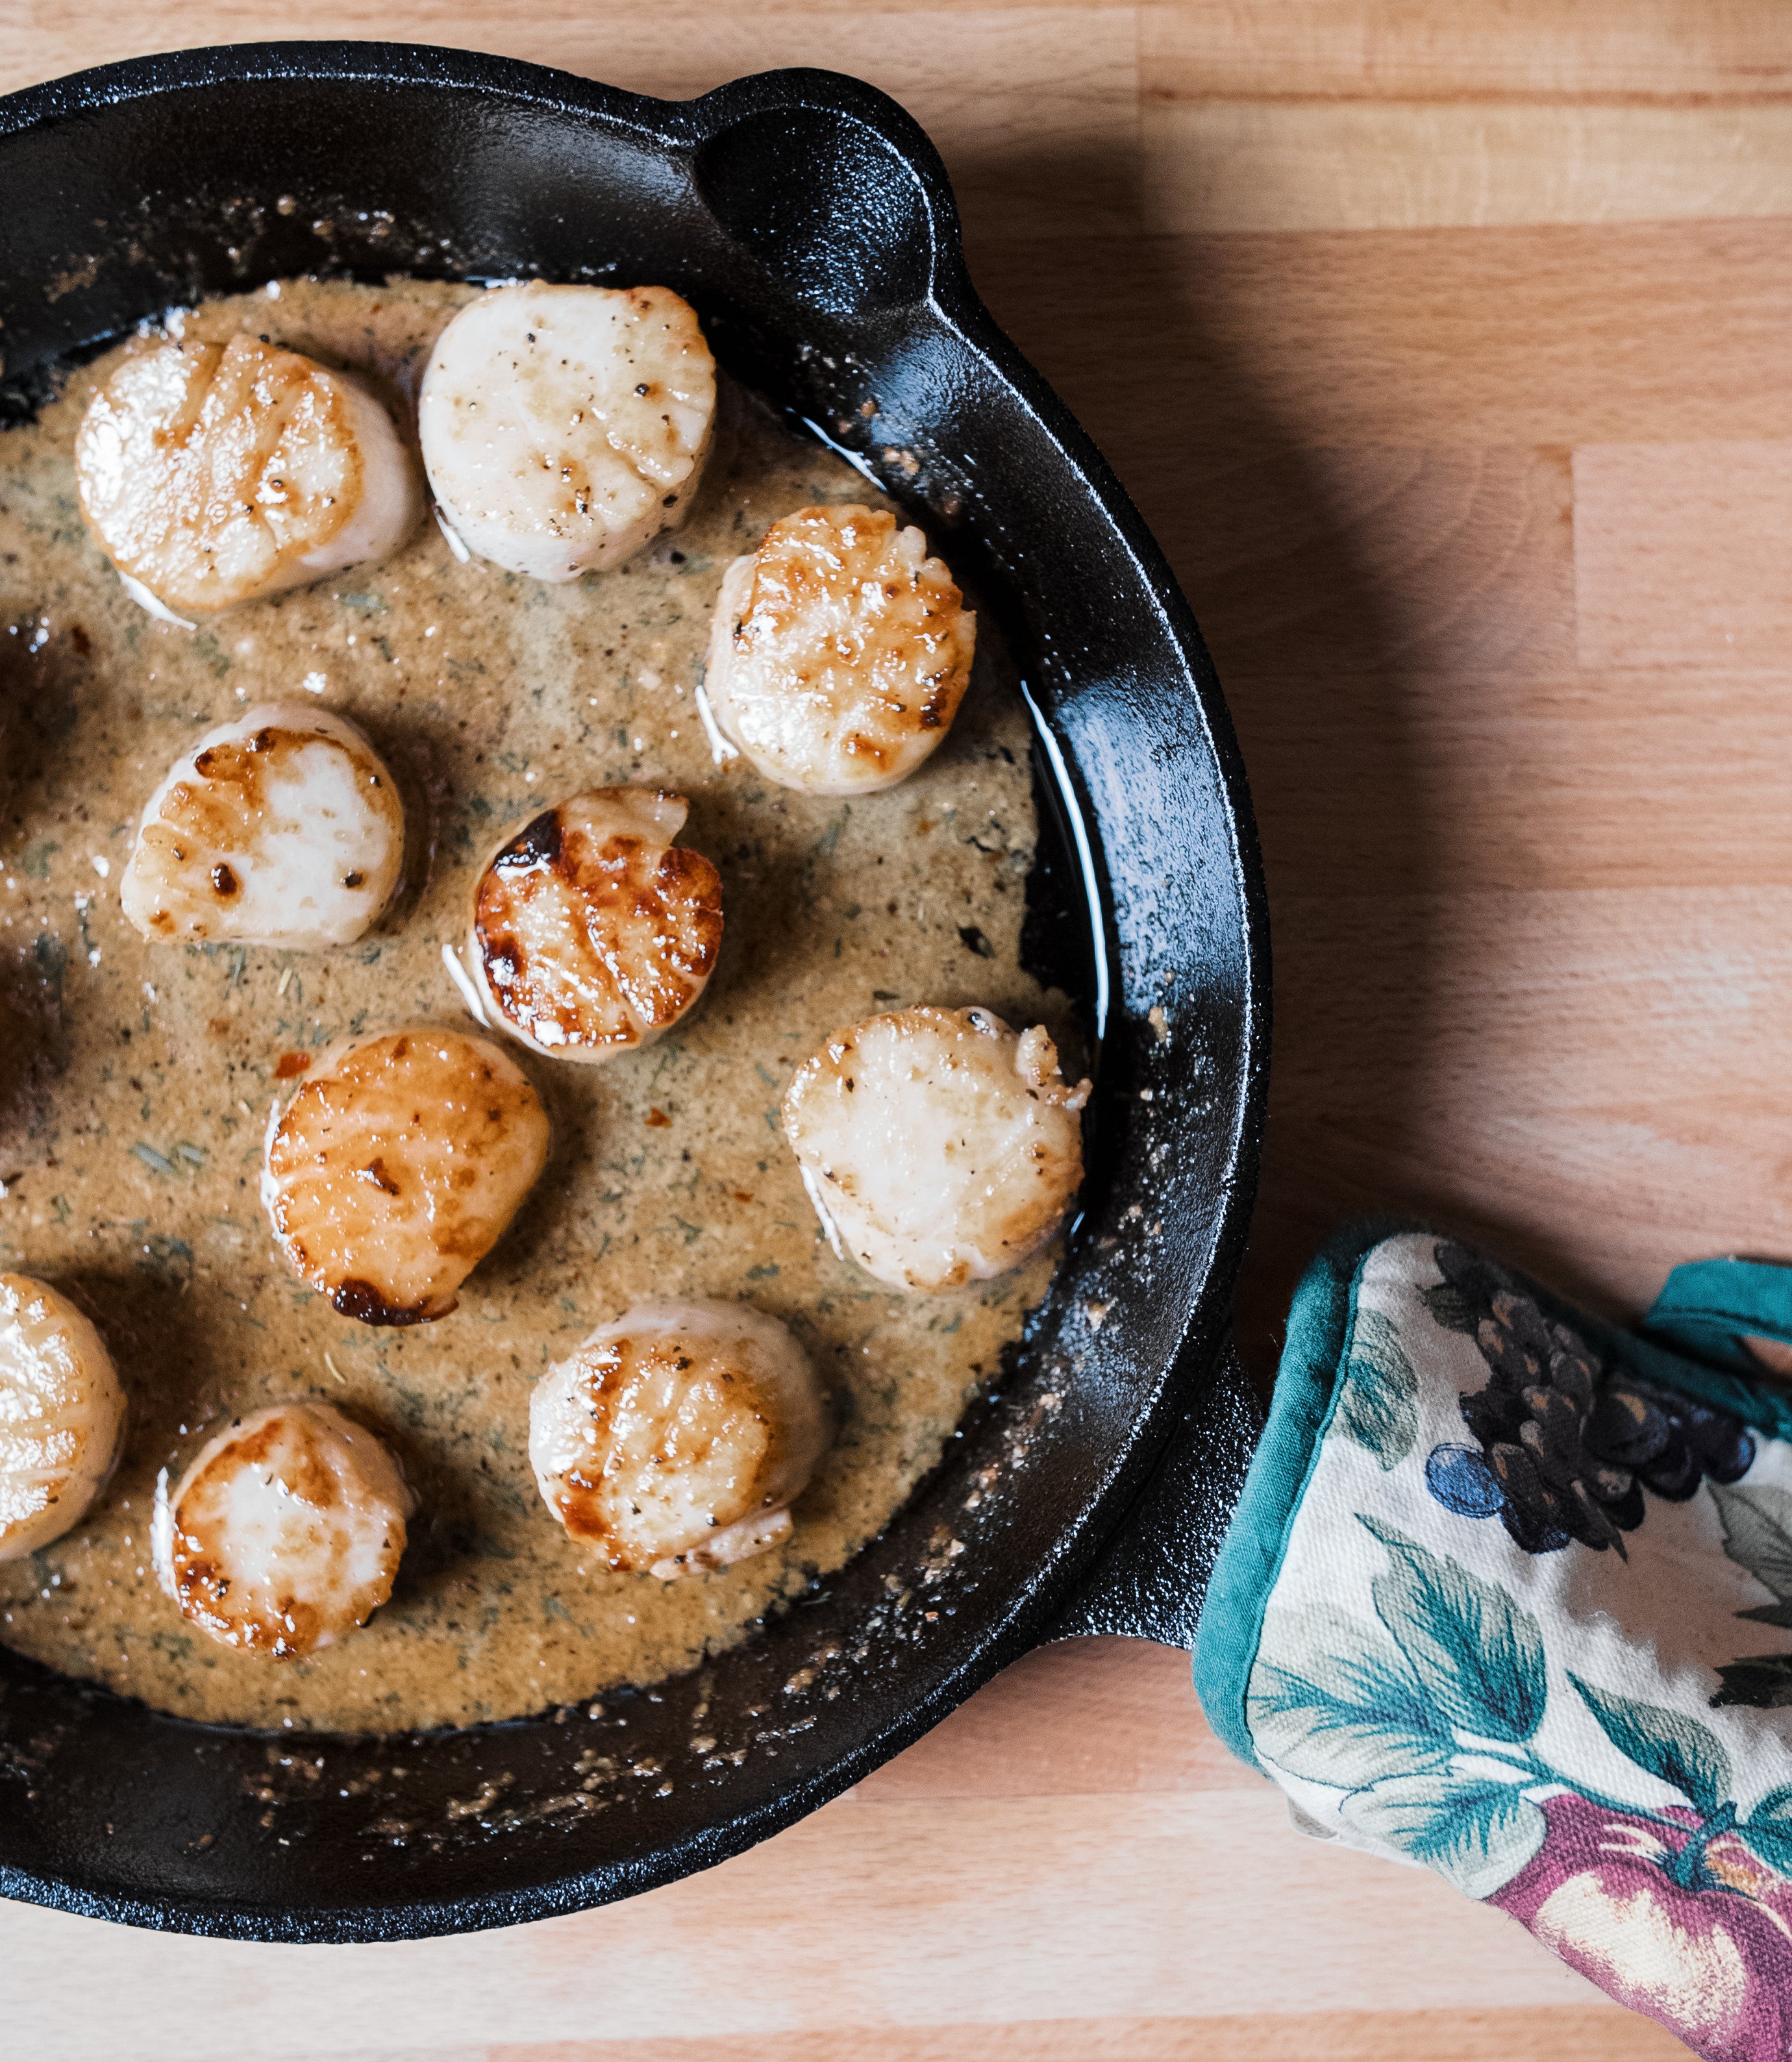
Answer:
[(1502, 1642)]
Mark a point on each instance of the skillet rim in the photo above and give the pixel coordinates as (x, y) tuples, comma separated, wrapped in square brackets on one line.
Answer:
[(1040, 1594)]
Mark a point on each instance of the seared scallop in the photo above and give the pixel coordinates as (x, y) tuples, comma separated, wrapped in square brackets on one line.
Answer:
[(673, 1441), (593, 933), (281, 827), (563, 427), (839, 651), (395, 1168), (937, 1147), (285, 1534), (62, 1415), (213, 474)]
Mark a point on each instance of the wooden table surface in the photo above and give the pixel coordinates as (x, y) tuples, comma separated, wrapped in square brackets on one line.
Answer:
[(1445, 345)]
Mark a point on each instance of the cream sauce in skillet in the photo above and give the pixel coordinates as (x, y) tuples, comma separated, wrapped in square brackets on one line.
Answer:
[(135, 1080)]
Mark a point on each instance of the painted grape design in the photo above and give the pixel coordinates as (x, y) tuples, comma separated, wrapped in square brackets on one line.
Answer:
[(1565, 1443)]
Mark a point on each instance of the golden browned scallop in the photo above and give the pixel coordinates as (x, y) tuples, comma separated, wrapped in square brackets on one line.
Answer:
[(62, 1415), (286, 1532), (593, 932), (839, 651), (564, 428), (213, 474), (937, 1147), (395, 1168), (674, 1440), (282, 827)]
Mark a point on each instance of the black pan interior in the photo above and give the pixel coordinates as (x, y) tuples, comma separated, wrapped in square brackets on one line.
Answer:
[(810, 222)]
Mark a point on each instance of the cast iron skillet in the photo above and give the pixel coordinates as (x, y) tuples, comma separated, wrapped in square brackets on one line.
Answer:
[(810, 222)]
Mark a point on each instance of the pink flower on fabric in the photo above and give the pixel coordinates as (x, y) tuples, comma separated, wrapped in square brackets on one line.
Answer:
[(1712, 1964)]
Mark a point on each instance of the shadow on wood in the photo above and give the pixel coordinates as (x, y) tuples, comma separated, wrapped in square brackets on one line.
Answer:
[(1299, 564)]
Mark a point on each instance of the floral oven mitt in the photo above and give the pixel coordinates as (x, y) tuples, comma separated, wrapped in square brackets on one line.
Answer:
[(1510, 1593)]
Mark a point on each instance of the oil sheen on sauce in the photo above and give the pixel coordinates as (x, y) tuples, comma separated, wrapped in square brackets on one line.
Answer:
[(136, 1079)]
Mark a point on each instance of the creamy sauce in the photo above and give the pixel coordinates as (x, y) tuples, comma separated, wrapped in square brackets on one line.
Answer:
[(136, 1079)]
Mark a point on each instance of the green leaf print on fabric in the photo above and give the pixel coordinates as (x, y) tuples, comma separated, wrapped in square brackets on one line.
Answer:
[(1758, 1536), (1406, 1721), (1479, 1656), (1768, 1829), (1676, 1750), (1429, 1728), (1379, 1407), (1338, 1704), (1476, 1832)]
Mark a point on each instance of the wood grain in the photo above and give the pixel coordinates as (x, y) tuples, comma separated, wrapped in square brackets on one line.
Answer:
[(1679, 556), (1335, 115), (1654, 50), (1467, 556), (1383, 164), (1425, 340), (1537, 2035), (1443, 343)]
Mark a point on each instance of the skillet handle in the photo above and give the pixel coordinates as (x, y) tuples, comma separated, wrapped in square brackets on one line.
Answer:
[(1152, 1577)]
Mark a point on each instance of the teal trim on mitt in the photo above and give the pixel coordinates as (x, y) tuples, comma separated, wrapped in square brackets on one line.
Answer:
[(1307, 1385), (1709, 1307), (1702, 1303)]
